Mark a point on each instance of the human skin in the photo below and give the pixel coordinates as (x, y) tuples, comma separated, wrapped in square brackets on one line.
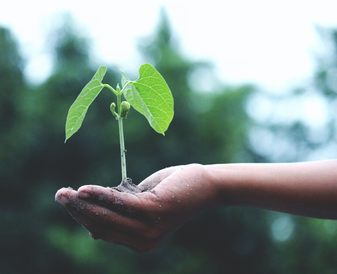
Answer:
[(172, 195)]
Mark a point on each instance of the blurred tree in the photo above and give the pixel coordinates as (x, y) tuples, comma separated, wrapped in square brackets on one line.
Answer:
[(326, 84), (300, 136), (12, 87), (302, 122), (314, 239), (11, 78), (21, 244)]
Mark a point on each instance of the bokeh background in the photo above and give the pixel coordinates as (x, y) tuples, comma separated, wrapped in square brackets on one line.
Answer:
[(271, 98)]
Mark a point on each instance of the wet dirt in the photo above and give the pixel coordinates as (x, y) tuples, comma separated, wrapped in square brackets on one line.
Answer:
[(128, 186)]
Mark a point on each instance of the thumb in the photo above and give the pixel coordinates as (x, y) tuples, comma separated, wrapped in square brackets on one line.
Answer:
[(154, 179)]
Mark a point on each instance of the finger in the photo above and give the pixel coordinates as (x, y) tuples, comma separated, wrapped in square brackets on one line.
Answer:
[(63, 195), (94, 216), (150, 182), (126, 203), (67, 198), (96, 220), (105, 225)]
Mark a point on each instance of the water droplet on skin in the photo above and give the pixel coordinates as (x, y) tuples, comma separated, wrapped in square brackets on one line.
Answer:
[(160, 206)]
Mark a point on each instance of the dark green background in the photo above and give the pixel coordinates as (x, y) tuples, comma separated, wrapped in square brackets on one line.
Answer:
[(37, 235)]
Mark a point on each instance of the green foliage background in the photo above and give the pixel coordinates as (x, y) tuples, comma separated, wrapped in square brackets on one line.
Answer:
[(37, 235)]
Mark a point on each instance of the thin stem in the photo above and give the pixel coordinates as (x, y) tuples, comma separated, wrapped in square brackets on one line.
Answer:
[(124, 87), (121, 139), (111, 89)]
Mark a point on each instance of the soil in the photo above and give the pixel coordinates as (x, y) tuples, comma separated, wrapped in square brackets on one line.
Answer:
[(127, 186)]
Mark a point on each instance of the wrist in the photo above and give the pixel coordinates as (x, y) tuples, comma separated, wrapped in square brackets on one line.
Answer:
[(207, 183), (226, 181)]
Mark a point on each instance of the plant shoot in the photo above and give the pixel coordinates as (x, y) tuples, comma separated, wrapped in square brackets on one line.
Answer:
[(149, 95)]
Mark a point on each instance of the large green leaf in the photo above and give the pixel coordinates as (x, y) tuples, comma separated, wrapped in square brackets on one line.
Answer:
[(79, 108), (151, 96)]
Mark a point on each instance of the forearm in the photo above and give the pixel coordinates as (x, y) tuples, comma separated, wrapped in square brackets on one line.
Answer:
[(308, 188)]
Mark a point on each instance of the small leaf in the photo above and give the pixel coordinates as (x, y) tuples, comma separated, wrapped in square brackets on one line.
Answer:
[(79, 108), (151, 96)]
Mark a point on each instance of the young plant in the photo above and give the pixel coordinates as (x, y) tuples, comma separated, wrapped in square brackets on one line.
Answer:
[(149, 95)]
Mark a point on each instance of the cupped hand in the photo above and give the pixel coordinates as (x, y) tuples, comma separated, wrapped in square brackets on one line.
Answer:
[(167, 199)]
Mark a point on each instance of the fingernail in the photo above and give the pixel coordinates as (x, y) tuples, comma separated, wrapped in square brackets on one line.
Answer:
[(83, 194)]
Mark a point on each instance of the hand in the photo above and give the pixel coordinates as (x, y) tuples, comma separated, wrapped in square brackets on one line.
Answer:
[(169, 197)]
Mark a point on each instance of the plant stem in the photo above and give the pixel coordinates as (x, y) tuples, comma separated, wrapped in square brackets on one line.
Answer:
[(121, 139), (110, 88)]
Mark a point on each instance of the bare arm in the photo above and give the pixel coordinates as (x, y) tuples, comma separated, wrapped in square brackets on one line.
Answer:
[(308, 188), (171, 196)]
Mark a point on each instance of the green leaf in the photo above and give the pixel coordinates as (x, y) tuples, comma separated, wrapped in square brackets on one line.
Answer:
[(99, 74), (79, 108), (124, 78), (151, 96)]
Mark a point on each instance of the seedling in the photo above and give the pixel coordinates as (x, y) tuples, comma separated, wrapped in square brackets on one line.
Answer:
[(149, 95)]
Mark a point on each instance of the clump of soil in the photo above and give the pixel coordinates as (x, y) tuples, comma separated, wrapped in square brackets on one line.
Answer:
[(127, 186)]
